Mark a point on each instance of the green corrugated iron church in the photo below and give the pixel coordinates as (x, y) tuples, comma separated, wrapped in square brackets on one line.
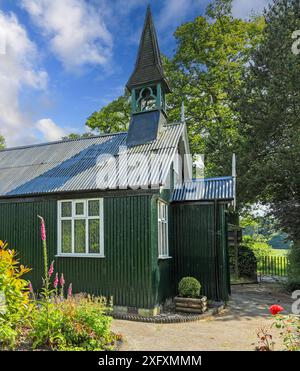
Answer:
[(124, 218)]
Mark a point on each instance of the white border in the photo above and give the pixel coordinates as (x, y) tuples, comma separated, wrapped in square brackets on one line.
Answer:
[(87, 218), (161, 257)]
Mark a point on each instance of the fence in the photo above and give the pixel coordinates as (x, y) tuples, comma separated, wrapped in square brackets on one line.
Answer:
[(272, 266)]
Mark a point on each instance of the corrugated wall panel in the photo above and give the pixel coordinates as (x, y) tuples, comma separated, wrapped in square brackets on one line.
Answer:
[(161, 268), (126, 270), (198, 251), (19, 226)]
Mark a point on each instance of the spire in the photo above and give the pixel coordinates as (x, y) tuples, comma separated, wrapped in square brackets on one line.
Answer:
[(148, 66)]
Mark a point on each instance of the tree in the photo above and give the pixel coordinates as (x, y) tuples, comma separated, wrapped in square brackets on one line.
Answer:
[(2, 142), (211, 55), (270, 112), (112, 118), (77, 136), (205, 73)]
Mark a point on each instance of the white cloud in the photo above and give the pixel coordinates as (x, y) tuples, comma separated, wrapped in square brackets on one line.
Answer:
[(76, 31), (245, 8), (18, 69), (50, 130), (175, 12)]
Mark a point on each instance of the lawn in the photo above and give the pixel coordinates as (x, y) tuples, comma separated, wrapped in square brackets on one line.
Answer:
[(279, 252)]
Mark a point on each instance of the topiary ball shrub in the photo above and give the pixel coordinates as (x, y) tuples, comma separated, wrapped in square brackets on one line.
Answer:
[(189, 287)]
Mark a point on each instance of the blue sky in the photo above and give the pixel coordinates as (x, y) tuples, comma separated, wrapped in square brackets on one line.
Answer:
[(60, 60)]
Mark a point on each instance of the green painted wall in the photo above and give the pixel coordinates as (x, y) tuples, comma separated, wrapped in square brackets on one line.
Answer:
[(131, 271), (199, 247), (128, 271), (161, 268)]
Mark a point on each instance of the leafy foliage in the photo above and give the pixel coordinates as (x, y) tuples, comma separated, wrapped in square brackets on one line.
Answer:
[(2, 142), (206, 73), (15, 307), (49, 321), (258, 245), (247, 262), (77, 136), (294, 267), (112, 118), (270, 106), (77, 323), (189, 287), (290, 331)]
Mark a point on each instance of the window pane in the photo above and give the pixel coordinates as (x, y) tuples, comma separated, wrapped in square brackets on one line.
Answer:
[(160, 240), (79, 236), (79, 208), (94, 236), (164, 239), (66, 236), (94, 208), (166, 252), (66, 209), (160, 210)]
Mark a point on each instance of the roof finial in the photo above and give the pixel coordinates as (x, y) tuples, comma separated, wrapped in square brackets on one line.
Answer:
[(182, 113)]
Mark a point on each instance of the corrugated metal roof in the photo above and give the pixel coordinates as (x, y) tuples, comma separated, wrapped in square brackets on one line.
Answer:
[(205, 190), (77, 165)]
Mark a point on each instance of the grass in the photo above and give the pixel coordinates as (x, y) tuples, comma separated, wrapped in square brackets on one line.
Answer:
[(279, 252)]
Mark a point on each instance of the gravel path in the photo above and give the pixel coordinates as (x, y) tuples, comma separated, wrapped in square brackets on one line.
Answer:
[(234, 329)]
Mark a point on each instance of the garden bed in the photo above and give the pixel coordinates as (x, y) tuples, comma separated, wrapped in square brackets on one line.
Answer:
[(25, 346), (172, 316), (191, 305)]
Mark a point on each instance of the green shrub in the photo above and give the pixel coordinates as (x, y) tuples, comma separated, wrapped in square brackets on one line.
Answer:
[(15, 304), (189, 287), (77, 323), (294, 268), (258, 245), (247, 263)]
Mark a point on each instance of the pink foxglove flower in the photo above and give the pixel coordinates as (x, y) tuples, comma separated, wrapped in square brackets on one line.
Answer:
[(43, 229), (70, 290), (62, 280), (51, 269), (30, 287), (55, 282)]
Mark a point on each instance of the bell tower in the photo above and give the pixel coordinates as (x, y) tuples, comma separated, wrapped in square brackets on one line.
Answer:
[(148, 87)]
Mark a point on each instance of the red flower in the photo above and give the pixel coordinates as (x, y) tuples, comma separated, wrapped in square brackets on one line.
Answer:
[(275, 309)]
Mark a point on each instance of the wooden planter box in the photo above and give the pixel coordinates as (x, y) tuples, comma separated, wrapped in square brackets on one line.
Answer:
[(191, 305)]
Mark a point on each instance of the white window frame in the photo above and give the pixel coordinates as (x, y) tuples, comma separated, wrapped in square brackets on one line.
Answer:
[(86, 217), (163, 230)]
